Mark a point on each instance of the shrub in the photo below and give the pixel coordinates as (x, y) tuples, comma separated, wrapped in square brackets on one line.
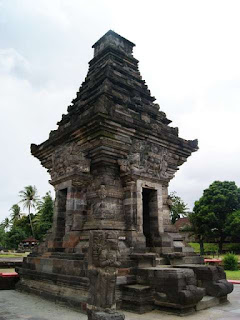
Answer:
[(230, 262), (232, 247)]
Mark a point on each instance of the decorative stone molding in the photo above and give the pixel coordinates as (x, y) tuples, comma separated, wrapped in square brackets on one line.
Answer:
[(68, 159), (146, 159)]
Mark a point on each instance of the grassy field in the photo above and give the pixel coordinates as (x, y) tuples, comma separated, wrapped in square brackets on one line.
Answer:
[(13, 255), (213, 248), (207, 247), (9, 270), (233, 275)]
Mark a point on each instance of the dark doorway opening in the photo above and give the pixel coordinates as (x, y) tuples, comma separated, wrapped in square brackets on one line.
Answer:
[(61, 212), (149, 212)]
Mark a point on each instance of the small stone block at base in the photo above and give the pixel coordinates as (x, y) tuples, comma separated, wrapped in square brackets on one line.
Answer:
[(100, 315)]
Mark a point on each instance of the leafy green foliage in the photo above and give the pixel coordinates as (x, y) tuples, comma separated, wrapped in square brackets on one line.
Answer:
[(13, 231), (233, 224), (211, 211), (178, 208), (14, 237), (5, 224), (24, 225), (43, 219), (19, 231), (15, 213), (230, 262), (232, 247), (2, 236)]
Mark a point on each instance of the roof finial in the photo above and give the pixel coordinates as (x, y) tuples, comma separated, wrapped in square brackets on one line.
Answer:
[(114, 40)]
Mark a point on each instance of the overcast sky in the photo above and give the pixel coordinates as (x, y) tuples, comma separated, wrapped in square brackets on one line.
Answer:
[(189, 53)]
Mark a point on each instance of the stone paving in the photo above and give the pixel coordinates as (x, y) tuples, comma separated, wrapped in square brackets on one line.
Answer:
[(18, 306)]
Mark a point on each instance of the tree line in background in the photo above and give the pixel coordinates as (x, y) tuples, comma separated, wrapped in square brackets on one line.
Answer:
[(20, 226), (215, 216)]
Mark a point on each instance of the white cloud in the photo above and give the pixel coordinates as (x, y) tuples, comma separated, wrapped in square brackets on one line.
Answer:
[(13, 62), (29, 115), (189, 56)]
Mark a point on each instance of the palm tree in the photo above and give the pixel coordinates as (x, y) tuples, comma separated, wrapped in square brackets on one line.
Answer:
[(29, 199), (5, 224), (15, 213)]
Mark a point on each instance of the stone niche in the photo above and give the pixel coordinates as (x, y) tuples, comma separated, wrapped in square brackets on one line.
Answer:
[(110, 162)]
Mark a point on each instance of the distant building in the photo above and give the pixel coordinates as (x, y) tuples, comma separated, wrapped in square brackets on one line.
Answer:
[(183, 226), (28, 244), (182, 223), (2, 249)]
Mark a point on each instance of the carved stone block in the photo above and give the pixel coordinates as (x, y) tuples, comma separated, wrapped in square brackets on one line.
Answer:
[(213, 279), (100, 315)]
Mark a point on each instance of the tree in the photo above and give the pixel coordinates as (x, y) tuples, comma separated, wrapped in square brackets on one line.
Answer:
[(200, 227), (14, 237), (5, 224), (2, 235), (29, 198), (44, 216), (178, 208), (233, 225), (15, 213), (20, 230), (211, 212), (24, 224)]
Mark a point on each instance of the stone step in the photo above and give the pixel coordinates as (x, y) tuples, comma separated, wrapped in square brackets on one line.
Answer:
[(144, 254), (54, 277), (181, 259), (76, 300), (161, 261), (167, 250), (147, 259), (137, 298), (184, 249), (67, 256), (164, 266), (126, 280), (137, 288), (176, 236)]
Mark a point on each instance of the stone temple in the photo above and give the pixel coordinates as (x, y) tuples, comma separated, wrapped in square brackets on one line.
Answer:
[(112, 244)]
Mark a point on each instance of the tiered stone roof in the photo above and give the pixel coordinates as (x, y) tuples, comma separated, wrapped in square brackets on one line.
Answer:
[(113, 90)]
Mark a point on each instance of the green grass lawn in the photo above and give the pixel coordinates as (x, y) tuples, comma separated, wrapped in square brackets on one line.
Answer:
[(233, 275), (207, 247), (213, 247), (7, 270), (13, 255)]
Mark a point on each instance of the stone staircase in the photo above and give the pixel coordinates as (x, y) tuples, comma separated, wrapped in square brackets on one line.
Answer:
[(180, 252), (56, 276), (158, 282)]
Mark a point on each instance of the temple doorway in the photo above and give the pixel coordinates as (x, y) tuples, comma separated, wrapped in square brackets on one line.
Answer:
[(149, 199), (61, 212)]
